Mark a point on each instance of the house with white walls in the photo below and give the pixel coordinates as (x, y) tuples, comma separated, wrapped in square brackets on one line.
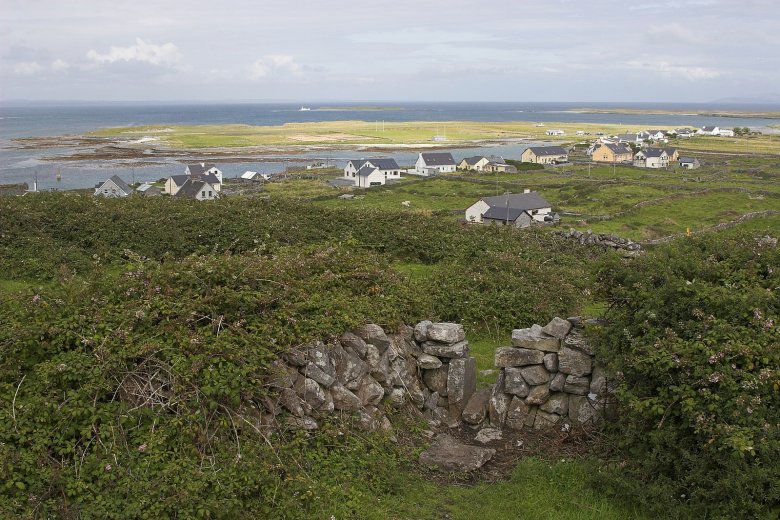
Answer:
[(434, 163)]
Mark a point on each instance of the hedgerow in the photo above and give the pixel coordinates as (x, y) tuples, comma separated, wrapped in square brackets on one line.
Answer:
[(694, 332)]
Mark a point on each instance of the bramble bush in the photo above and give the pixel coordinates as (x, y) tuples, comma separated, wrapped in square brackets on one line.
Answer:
[(694, 329)]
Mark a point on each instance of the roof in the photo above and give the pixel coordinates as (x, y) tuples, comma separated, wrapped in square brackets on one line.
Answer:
[(208, 177), (499, 213), (688, 159), (519, 201), (143, 187), (547, 150), (366, 170), (437, 159), (122, 185), (384, 163), (249, 175), (709, 128), (652, 152), (627, 137), (179, 180), (473, 160), (191, 188), (618, 148), (669, 150), (199, 168)]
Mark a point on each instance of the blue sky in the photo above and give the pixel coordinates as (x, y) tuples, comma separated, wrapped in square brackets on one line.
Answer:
[(424, 50)]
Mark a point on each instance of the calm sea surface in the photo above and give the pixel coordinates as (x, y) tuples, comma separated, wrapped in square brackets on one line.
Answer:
[(50, 119)]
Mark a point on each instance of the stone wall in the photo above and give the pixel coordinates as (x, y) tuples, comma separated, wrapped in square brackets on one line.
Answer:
[(602, 239), (547, 376)]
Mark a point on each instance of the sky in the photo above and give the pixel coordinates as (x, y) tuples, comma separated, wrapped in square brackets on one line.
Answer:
[(399, 50)]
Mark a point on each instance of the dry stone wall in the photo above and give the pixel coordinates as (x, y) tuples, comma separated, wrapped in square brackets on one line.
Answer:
[(547, 376)]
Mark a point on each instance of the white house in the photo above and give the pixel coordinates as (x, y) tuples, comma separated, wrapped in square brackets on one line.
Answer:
[(368, 176), (655, 135), (689, 163), (518, 209), (482, 163), (175, 182), (255, 176), (387, 167), (433, 163), (651, 158), (555, 131), (725, 132), (685, 133), (630, 138), (708, 130), (199, 169), (113, 187), (197, 190)]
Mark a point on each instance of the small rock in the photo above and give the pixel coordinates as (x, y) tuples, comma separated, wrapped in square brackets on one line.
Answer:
[(343, 399), (551, 362), (577, 385), (314, 372), (531, 339), (477, 407), (370, 392), (373, 335), (304, 423), (514, 383), (535, 375), (461, 381), (432, 401), (520, 414), (446, 350), (574, 362), (538, 394), (396, 397), (421, 331), (558, 382), (290, 401), (354, 342), (557, 328), (486, 435), (557, 403), (436, 379), (545, 420), (426, 361), (517, 357)]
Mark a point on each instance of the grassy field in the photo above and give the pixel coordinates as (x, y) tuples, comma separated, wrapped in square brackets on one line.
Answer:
[(765, 144), (353, 132)]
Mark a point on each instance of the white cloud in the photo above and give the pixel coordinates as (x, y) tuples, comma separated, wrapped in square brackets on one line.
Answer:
[(275, 65), (670, 70), (59, 65), (27, 68), (166, 54), (419, 36)]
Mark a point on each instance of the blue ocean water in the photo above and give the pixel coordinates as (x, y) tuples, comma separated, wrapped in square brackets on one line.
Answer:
[(30, 120)]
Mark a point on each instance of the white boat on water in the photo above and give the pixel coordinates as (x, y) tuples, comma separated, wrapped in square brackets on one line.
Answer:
[(304, 109)]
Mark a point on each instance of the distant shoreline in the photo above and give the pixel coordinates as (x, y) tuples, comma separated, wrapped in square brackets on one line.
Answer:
[(662, 112)]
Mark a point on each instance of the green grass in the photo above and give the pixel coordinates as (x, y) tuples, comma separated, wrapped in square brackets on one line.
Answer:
[(538, 489)]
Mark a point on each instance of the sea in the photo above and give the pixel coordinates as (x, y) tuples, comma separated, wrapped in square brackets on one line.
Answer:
[(28, 119)]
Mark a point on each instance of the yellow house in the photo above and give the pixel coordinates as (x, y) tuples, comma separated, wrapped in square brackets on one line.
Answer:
[(544, 155), (612, 153)]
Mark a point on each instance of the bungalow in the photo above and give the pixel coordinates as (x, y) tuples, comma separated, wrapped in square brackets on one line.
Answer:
[(148, 190), (476, 163), (685, 133), (517, 209), (544, 155), (555, 131), (433, 163), (175, 182), (612, 153), (673, 153), (255, 176), (655, 135), (387, 167), (199, 169), (725, 132), (197, 190), (689, 163), (709, 130), (113, 187), (500, 167), (368, 176), (637, 138), (651, 158)]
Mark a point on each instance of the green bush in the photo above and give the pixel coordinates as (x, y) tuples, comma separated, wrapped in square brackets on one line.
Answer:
[(693, 330)]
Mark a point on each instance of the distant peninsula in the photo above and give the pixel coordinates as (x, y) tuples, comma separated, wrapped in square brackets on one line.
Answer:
[(665, 112)]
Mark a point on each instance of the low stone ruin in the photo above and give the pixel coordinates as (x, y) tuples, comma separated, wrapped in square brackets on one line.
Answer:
[(603, 239)]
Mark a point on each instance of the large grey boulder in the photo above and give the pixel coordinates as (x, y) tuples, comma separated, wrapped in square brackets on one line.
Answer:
[(557, 328), (477, 407), (538, 395), (345, 400), (436, 379), (451, 455), (577, 385), (314, 372), (514, 383), (535, 375), (535, 340), (446, 350), (461, 381), (421, 331), (574, 362), (356, 343), (557, 403), (446, 332), (520, 414), (428, 362), (373, 335), (517, 357)]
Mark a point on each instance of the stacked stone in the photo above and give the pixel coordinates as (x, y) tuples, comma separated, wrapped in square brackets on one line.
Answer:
[(366, 368), (449, 375), (547, 377), (603, 239)]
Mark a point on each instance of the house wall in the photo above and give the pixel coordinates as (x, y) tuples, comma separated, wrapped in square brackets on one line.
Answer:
[(171, 187), (109, 189), (604, 154), (475, 211), (374, 177), (218, 174)]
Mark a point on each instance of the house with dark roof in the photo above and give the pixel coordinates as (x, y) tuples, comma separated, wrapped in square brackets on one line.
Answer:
[(672, 152), (612, 153), (481, 163), (545, 155), (175, 182), (197, 190), (651, 158), (387, 167), (198, 170), (689, 163), (515, 209), (630, 138), (433, 163), (113, 187)]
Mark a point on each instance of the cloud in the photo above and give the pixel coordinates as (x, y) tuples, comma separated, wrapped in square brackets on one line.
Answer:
[(419, 36), (670, 70), (274, 65), (27, 68), (59, 65), (675, 33), (166, 54)]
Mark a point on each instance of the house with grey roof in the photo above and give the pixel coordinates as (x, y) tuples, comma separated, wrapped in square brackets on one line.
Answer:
[(113, 187), (198, 170), (434, 163), (175, 182), (480, 163), (689, 163), (515, 209), (545, 155), (197, 190), (631, 138), (387, 167), (651, 158), (611, 153)]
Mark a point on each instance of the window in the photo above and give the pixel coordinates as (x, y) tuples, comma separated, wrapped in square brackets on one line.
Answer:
[(209, 193), (203, 193)]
